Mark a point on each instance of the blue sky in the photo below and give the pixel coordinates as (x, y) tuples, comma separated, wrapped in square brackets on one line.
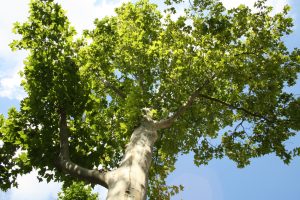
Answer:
[(265, 178)]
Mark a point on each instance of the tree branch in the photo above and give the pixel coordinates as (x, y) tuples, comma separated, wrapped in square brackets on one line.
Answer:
[(235, 107), (245, 53), (66, 165), (166, 123), (113, 88)]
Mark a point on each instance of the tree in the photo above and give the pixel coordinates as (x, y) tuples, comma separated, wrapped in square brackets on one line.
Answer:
[(143, 87), (77, 191)]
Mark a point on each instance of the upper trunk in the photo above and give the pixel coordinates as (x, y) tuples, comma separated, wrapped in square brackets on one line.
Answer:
[(129, 181)]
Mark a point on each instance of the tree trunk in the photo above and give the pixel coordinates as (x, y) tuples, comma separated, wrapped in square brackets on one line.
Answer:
[(129, 181)]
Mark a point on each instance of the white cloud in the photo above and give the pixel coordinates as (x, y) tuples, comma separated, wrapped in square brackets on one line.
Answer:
[(10, 12), (80, 13), (9, 76), (30, 189)]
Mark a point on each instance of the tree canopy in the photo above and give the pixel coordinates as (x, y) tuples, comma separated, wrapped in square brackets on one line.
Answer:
[(213, 80)]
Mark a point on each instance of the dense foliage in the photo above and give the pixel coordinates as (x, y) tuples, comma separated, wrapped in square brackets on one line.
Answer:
[(218, 75), (77, 191)]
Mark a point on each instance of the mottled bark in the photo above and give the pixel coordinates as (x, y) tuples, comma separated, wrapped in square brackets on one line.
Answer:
[(129, 181)]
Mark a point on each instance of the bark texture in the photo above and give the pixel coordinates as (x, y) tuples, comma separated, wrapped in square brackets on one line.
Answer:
[(129, 181)]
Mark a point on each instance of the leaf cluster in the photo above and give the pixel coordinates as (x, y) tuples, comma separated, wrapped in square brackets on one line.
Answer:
[(77, 191)]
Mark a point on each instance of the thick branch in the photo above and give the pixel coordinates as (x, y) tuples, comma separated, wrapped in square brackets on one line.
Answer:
[(166, 123), (65, 164), (113, 88), (63, 136)]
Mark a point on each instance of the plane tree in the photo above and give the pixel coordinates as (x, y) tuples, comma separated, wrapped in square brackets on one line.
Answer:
[(117, 105)]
